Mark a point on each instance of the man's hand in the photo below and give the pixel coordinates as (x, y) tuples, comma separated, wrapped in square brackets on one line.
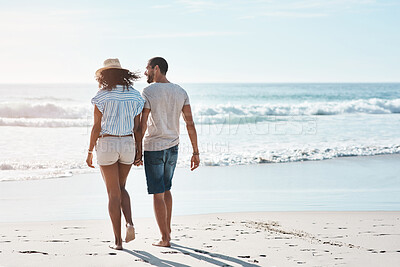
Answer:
[(194, 162), (138, 158), (89, 160)]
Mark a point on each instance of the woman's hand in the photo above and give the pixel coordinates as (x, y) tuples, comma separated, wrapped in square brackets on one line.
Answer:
[(138, 158), (89, 160)]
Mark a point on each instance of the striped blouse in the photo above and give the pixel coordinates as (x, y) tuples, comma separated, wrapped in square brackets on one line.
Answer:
[(119, 108)]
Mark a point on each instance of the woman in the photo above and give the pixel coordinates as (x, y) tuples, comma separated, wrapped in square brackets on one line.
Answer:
[(117, 108)]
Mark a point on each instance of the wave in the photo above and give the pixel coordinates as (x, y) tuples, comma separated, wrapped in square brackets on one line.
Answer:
[(297, 155), (15, 171), (57, 115), (50, 123), (253, 113), (44, 110)]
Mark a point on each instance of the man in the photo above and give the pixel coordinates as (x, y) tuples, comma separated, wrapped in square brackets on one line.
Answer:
[(164, 104)]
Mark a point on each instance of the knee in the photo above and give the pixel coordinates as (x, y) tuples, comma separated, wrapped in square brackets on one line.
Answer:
[(114, 198), (158, 197)]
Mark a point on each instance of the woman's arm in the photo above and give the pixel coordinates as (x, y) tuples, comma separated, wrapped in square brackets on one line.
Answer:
[(94, 135), (137, 132)]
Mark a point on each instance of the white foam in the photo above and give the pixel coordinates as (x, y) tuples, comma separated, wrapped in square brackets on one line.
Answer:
[(43, 110), (256, 113)]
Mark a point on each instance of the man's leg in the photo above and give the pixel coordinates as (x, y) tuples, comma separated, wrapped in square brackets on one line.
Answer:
[(169, 168), (160, 210), (168, 204)]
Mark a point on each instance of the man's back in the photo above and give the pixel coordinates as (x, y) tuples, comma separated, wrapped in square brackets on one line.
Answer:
[(165, 101)]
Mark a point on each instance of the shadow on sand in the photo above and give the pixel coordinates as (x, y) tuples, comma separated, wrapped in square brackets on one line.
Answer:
[(198, 254)]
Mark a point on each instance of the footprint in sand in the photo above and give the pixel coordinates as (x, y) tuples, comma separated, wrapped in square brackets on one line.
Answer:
[(5, 241), (33, 252)]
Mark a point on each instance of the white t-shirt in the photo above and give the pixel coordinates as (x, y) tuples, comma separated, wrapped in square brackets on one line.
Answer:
[(165, 101)]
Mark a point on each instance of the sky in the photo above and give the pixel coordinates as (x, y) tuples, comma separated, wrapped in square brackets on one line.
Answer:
[(202, 40)]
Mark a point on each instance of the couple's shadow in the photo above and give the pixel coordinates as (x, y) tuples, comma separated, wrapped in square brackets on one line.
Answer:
[(201, 255)]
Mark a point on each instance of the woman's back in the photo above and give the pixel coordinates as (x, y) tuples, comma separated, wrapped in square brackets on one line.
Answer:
[(119, 107)]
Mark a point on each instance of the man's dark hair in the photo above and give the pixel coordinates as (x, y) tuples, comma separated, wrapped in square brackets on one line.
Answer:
[(161, 62), (110, 78)]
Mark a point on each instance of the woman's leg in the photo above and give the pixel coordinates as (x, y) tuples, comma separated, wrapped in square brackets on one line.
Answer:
[(111, 178), (125, 199)]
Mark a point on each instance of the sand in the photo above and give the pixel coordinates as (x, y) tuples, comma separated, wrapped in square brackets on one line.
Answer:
[(226, 239)]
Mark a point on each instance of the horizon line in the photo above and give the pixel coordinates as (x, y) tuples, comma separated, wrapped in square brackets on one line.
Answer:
[(217, 82)]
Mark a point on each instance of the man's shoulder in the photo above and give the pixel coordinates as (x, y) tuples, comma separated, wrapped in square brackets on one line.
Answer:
[(160, 86)]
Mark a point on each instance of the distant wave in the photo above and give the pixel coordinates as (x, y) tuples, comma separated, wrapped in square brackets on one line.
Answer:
[(45, 110), (57, 115), (236, 113), (50, 123)]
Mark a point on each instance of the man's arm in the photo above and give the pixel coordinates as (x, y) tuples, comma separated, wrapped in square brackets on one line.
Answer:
[(143, 120), (191, 129)]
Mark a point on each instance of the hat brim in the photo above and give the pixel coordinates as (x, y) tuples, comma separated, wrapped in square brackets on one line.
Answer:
[(97, 73)]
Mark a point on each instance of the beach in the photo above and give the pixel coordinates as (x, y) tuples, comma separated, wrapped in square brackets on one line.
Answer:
[(228, 239), (343, 211), (290, 174)]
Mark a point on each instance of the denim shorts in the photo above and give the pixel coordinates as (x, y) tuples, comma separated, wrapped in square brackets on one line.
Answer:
[(111, 149), (159, 167)]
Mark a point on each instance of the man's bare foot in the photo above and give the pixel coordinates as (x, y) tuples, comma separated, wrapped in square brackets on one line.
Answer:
[(162, 243), (130, 233), (116, 247)]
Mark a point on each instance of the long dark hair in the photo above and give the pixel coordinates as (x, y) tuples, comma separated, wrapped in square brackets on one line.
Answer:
[(109, 79)]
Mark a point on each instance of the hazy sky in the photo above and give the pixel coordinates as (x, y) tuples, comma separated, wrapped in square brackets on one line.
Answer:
[(203, 41)]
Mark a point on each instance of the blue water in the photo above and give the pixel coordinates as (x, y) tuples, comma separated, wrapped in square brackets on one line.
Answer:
[(45, 127)]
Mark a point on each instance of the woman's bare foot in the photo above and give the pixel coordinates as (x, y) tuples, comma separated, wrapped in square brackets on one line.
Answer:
[(130, 233), (162, 243), (116, 247)]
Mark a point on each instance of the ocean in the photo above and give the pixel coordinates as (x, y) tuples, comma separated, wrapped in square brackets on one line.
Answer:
[(45, 128)]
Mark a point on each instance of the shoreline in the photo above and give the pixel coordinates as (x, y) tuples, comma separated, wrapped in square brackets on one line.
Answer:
[(344, 184), (68, 174)]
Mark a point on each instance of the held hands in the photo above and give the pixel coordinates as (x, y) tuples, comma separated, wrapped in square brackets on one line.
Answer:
[(138, 158), (194, 162)]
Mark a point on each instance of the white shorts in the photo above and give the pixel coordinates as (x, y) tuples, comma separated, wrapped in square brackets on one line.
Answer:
[(111, 149)]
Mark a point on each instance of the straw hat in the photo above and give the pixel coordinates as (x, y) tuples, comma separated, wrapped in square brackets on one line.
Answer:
[(111, 63)]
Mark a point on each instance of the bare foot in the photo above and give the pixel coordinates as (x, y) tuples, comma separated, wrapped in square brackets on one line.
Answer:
[(130, 233), (116, 247), (162, 243)]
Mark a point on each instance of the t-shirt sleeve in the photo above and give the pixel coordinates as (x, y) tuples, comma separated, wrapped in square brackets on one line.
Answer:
[(146, 103), (140, 105), (186, 102), (98, 100)]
